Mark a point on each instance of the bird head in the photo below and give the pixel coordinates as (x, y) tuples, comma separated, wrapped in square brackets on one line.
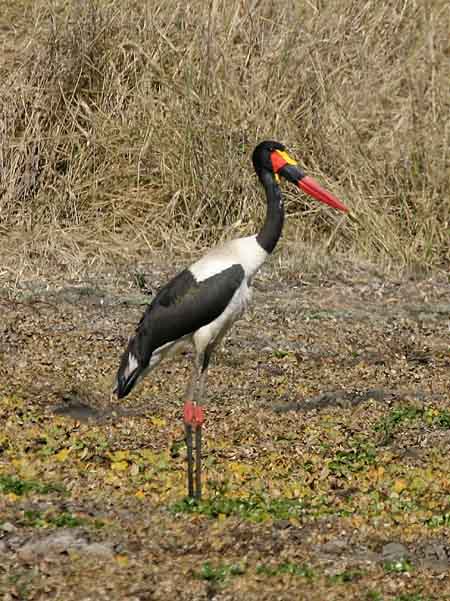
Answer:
[(271, 157)]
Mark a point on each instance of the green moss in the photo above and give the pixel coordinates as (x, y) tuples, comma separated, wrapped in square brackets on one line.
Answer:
[(219, 573), (19, 486)]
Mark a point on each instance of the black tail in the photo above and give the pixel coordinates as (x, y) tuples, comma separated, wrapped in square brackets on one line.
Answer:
[(130, 369)]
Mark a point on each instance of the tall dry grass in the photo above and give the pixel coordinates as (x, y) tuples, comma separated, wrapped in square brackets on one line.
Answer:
[(128, 126)]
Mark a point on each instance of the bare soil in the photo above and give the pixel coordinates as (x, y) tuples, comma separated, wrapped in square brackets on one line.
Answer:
[(326, 463)]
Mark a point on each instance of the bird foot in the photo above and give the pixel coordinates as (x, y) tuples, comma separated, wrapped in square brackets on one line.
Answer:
[(193, 420)]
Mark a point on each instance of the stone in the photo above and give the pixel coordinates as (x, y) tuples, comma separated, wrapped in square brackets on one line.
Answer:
[(394, 552), (100, 550), (435, 557), (51, 544)]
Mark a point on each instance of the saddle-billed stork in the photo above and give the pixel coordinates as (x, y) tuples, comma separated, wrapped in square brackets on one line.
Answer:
[(200, 304)]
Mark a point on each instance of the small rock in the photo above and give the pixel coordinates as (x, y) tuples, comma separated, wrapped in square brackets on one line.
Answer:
[(3, 547), (336, 546), (8, 527), (435, 550), (394, 552), (53, 544), (435, 557), (63, 542), (98, 550), (366, 556)]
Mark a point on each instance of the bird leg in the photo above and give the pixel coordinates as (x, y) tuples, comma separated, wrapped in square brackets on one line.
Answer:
[(203, 373), (188, 411), (198, 419), (188, 423), (190, 394), (193, 420), (190, 426)]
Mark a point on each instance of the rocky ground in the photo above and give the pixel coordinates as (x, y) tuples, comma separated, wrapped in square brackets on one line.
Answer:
[(327, 435)]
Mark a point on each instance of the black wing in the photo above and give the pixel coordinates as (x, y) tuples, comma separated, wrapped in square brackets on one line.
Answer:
[(180, 308)]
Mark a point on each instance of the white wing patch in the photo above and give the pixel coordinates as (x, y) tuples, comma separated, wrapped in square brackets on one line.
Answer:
[(244, 251), (131, 366)]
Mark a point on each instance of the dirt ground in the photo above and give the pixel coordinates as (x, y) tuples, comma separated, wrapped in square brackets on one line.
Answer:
[(326, 460)]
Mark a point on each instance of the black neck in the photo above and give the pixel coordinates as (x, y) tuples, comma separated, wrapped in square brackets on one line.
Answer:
[(271, 230)]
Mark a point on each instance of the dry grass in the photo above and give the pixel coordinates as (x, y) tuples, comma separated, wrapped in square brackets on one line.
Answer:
[(129, 126)]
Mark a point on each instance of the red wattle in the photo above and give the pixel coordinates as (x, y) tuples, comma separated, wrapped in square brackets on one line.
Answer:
[(277, 162)]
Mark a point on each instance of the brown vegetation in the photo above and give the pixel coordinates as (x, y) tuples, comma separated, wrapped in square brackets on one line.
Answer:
[(130, 125)]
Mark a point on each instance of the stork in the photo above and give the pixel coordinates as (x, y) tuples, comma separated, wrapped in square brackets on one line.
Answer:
[(201, 303)]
